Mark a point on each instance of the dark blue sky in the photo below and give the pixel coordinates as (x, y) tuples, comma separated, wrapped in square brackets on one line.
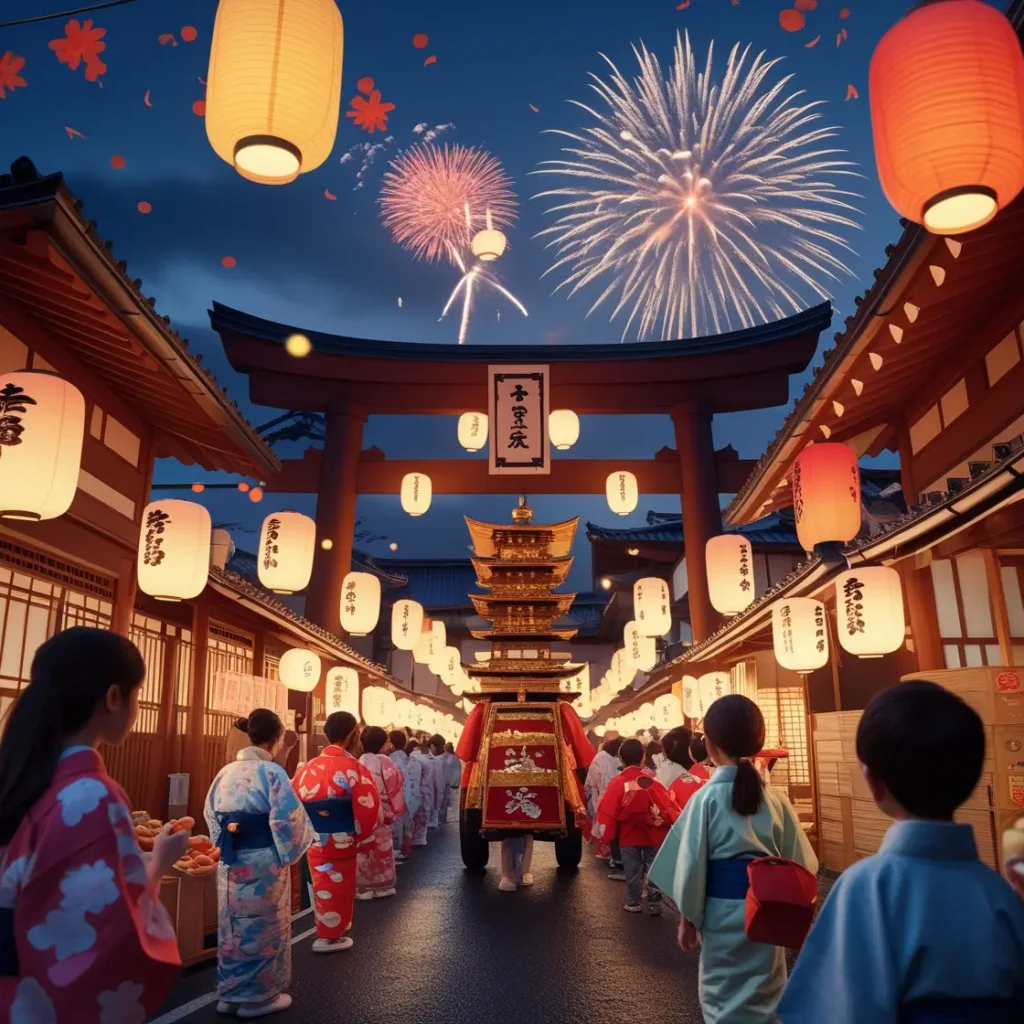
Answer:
[(331, 266)]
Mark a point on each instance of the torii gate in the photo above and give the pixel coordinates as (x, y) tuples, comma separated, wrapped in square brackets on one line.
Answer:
[(349, 379)]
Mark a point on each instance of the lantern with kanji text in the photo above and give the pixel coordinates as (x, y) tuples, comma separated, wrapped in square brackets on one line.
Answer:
[(360, 603), (174, 550), (869, 611), (826, 495), (800, 634), (285, 558), (730, 567)]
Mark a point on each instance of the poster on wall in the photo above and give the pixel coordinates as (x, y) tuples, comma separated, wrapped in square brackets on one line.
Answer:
[(519, 403)]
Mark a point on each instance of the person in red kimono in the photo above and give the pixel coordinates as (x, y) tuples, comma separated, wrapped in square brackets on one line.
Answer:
[(341, 799), (675, 773), (638, 811), (84, 938)]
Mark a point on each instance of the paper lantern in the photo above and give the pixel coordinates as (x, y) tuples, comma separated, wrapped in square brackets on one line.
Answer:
[(600, 730), (622, 492), (488, 245), (42, 424), (668, 712), (287, 544), (273, 89), (710, 687), (416, 493), (222, 548), (404, 711), (342, 691), (826, 494), (691, 700), (947, 114), (869, 611), (730, 568), (406, 624), (563, 428), (299, 669), (174, 550), (360, 603), (472, 431), (421, 649), (379, 705), (652, 606), (641, 651), (622, 671), (800, 634), (436, 650), (451, 666), (583, 704)]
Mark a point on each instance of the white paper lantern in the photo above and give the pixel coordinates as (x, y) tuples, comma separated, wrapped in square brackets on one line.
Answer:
[(652, 606), (639, 650), (826, 494), (691, 700), (622, 492), (488, 245), (730, 568), (622, 671), (417, 493), (42, 425), (287, 544), (438, 643), (869, 611), (222, 548), (800, 634), (451, 666), (174, 550), (668, 712), (379, 705), (405, 711), (406, 624), (421, 650), (600, 730), (300, 669), (360, 603), (342, 690), (583, 704), (710, 687), (612, 724), (473, 431), (563, 428)]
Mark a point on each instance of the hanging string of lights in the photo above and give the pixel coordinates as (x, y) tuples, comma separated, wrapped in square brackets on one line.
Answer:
[(66, 14)]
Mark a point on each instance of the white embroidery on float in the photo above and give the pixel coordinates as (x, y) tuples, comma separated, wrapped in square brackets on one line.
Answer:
[(122, 1006), (79, 798)]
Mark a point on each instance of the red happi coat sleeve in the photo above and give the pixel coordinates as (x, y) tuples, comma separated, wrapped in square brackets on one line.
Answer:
[(472, 736), (575, 737), (682, 789), (606, 820)]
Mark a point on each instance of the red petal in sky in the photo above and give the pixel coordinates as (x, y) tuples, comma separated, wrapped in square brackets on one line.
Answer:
[(189, 34), (118, 162), (844, 13), (73, 133), (534, 109), (328, 194), (792, 20), (365, 86), (813, 42), (420, 40), (851, 93), (430, 60), (805, 5), (167, 37), (144, 207), (145, 99), (199, 108), (228, 262)]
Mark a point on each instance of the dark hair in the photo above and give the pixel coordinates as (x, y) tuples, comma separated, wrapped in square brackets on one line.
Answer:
[(263, 727), (698, 751), (339, 726), (71, 674), (398, 739), (612, 745), (904, 739), (735, 725), (449, 748), (414, 744), (373, 738), (631, 752), (676, 743), (437, 742), (654, 747), (241, 724)]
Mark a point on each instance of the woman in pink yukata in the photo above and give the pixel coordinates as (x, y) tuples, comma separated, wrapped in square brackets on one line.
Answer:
[(84, 938), (375, 864)]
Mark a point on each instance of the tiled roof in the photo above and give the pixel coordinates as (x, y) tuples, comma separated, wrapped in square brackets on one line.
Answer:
[(666, 528), (436, 583), (244, 564)]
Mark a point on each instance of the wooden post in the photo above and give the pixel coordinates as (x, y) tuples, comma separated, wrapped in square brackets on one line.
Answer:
[(1000, 617), (259, 654), (924, 622), (335, 514), (907, 481), (702, 515), (124, 599), (164, 759), (197, 707)]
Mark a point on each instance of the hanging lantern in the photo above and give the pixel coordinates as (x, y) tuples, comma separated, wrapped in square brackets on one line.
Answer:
[(406, 624), (378, 705), (299, 669), (360, 603), (622, 671), (600, 730), (42, 425), (416, 493), (342, 691), (730, 569), (287, 544), (947, 114), (826, 493), (174, 550), (473, 431), (622, 493), (641, 651), (404, 711), (710, 687), (563, 428), (869, 611), (652, 606), (668, 712), (222, 548), (691, 700), (388, 707), (451, 666), (488, 245), (421, 650), (273, 89), (584, 703), (438, 643), (800, 634)]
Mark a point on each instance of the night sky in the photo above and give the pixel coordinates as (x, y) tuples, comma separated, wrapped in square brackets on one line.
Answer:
[(330, 265)]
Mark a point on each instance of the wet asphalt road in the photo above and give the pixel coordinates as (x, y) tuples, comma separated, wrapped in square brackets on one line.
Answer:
[(451, 949)]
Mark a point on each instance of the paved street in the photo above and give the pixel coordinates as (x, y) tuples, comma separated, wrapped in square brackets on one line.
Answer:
[(451, 949)]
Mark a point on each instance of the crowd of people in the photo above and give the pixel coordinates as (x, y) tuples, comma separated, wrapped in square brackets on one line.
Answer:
[(921, 932)]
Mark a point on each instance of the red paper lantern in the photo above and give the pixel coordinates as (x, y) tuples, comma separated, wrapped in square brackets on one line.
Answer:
[(947, 111), (826, 494)]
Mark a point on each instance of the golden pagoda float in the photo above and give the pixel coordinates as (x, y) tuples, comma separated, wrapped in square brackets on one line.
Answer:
[(524, 747)]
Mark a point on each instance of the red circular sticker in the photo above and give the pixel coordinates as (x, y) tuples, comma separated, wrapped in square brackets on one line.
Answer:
[(1007, 681)]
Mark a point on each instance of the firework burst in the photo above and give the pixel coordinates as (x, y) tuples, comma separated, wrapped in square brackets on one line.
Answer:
[(425, 196), (704, 204)]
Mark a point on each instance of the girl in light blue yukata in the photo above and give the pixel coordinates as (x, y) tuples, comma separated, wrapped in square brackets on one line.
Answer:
[(702, 864), (262, 829)]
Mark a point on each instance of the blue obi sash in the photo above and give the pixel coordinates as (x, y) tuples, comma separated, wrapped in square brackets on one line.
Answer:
[(243, 830), (947, 1010), (728, 879), (331, 815), (8, 947)]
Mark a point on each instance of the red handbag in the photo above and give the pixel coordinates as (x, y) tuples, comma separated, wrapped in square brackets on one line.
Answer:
[(780, 902)]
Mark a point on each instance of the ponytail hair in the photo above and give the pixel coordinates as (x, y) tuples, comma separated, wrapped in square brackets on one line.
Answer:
[(263, 726), (735, 725), (70, 676)]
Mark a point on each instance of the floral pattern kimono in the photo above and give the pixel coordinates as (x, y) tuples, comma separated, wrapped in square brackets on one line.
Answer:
[(401, 827), (375, 866), (87, 940), (332, 857), (420, 762), (254, 962)]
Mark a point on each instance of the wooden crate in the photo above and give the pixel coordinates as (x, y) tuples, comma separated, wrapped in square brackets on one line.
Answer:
[(192, 904)]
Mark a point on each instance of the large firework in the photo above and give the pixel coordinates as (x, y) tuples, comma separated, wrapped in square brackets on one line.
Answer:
[(435, 199), (703, 204)]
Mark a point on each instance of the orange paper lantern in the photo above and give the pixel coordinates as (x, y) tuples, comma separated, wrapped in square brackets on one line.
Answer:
[(947, 111), (826, 494)]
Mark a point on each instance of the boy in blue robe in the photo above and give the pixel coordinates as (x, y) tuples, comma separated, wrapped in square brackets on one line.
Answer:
[(921, 932)]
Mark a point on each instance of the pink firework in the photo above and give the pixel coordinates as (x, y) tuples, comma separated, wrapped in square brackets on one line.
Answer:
[(433, 200)]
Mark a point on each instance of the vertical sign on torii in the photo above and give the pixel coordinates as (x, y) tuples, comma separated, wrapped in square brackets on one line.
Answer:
[(518, 405)]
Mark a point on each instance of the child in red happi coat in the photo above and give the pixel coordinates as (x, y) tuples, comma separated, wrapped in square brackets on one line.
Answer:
[(638, 810)]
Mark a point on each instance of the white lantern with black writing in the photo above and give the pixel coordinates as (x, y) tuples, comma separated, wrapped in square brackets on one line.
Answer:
[(710, 687), (668, 712), (473, 431), (622, 671), (342, 690), (300, 669), (372, 704), (691, 699), (360, 603), (652, 606), (730, 568), (869, 611), (405, 712), (451, 666), (421, 650), (640, 650), (416, 493), (287, 544), (826, 494), (406, 624), (622, 492), (800, 634), (438, 643), (174, 550), (583, 704)]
